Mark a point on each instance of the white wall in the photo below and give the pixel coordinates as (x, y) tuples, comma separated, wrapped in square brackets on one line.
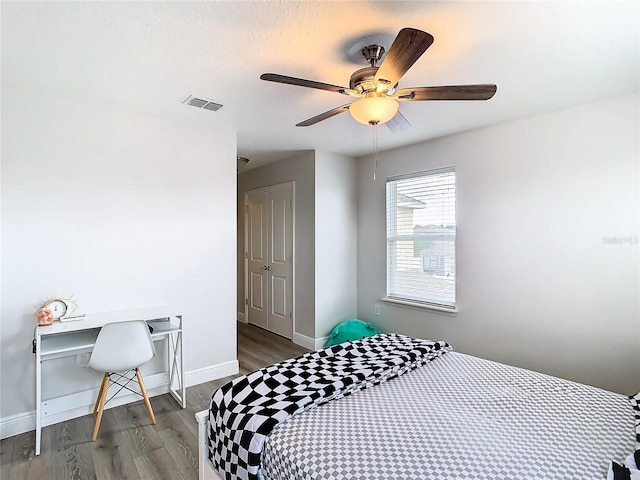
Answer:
[(298, 169), (537, 286), (336, 241), (325, 238), (121, 210)]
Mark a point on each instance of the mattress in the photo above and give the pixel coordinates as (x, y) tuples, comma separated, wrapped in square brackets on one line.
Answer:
[(457, 417)]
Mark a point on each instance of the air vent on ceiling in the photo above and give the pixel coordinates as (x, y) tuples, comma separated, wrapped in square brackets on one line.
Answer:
[(202, 102)]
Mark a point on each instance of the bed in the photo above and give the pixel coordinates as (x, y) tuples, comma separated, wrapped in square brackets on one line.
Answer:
[(392, 407)]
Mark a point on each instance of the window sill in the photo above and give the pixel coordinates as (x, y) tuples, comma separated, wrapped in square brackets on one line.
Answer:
[(422, 306)]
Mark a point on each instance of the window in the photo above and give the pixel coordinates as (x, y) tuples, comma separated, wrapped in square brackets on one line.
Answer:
[(421, 238)]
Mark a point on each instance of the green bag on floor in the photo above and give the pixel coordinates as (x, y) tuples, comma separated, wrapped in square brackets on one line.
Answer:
[(350, 330)]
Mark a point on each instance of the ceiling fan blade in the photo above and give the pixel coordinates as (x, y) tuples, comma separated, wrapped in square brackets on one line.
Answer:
[(301, 82), (323, 116), (408, 46), (453, 92), (398, 123)]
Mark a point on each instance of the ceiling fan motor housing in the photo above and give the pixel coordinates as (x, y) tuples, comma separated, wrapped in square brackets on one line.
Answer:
[(362, 80), (373, 54)]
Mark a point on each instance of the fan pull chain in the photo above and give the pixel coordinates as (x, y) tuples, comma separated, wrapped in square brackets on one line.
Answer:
[(375, 150)]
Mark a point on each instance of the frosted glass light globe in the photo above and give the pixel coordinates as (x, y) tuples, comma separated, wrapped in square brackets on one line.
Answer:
[(374, 108)]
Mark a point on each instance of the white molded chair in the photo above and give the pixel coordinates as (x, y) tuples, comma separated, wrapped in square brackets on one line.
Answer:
[(121, 347)]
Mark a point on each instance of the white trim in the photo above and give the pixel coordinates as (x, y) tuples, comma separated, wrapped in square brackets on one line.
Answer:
[(424, 306), (242, 318), (245, 254), (81, 403), (73, 406), (303, 341), (206, 471), (422, 173), (308, 342), (293, 253), (18, 423), (212, 372)]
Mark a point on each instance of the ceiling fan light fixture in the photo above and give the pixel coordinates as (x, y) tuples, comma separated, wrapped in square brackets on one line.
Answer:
[(376, 87), (374, 108)]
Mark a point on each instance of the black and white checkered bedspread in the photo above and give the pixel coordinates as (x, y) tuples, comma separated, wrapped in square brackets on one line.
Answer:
[(457, 418), (630, 468), (246, 410)]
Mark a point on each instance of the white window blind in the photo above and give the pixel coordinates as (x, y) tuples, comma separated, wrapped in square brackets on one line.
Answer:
[(421, 238)]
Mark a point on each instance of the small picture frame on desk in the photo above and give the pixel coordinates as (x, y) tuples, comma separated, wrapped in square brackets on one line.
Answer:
[(58, 309)]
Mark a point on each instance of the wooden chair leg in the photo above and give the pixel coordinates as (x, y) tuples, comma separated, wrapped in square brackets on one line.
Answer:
[(105, 380), (146, 397), (102, 399)]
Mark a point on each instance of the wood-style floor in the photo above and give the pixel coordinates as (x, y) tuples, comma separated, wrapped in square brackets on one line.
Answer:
[(128, 446)]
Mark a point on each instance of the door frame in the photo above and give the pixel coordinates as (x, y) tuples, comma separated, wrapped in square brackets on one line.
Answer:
[(269, 188)]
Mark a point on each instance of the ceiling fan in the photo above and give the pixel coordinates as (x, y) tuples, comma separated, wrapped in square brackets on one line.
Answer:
[(375, 87)]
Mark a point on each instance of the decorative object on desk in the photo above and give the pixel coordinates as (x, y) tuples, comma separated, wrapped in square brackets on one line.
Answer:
[(62, 309), (45, 316)]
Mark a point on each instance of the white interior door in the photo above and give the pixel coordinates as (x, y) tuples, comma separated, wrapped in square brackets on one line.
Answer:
[(280, 316), (257, 224), (270, 259)]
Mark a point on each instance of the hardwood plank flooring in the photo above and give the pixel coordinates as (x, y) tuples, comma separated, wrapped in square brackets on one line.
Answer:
[(128, 446)]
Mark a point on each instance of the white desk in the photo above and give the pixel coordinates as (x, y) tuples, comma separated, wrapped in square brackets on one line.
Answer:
[(78, 337)]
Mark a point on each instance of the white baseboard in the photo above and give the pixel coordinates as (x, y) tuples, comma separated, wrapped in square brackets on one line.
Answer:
[(18, 423), (213, 372), (77, 404), (308, 342), (241, 317), (71, 406), (81, 403)]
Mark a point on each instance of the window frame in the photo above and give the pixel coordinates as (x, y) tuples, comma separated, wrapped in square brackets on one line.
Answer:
[(391, 235)]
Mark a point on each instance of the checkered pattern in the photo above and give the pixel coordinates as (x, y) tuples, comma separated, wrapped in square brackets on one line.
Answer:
[(246, 410), (630, 469), (635, 403), (457, 418)]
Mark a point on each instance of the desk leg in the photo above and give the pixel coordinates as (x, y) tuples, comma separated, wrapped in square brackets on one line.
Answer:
[(183, 388), (176, 369), (38, 395), (176, 376)]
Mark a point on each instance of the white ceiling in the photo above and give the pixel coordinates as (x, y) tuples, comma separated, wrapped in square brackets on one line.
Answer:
[(150, 56)]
